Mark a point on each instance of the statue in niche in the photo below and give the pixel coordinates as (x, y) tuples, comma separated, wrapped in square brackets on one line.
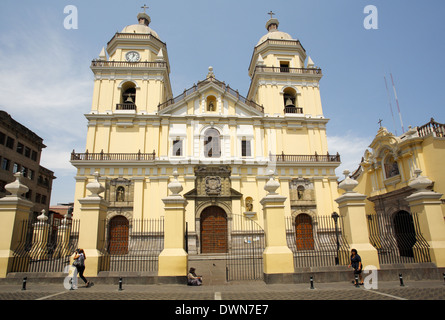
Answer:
[(300, 192), (120, 194), (249, 204)]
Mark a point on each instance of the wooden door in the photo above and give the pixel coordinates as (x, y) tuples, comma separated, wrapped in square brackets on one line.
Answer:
[(303, 232), (213, 230), (118, 235)]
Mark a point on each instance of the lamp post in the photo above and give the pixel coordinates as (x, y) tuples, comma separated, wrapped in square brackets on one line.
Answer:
[(335, 216)]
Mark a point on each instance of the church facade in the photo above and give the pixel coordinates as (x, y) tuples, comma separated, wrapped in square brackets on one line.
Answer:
[(223, 145)]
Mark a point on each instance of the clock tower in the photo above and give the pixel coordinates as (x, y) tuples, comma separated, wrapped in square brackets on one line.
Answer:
[(131, 78)]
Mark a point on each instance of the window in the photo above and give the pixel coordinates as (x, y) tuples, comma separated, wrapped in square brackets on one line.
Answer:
[(245, 148), (10, 142), (27, 152), (16, 168), (2, 138), (20, 148), (177, 147), (31, 174), (6, 163), (24, 171), (38, 196), (284, 66), (34, 155), (43, 199), (212, 145)]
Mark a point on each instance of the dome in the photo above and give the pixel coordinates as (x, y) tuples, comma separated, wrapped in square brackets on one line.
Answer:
[(139, 28), (274, 33), (142, 27), (279, 35)]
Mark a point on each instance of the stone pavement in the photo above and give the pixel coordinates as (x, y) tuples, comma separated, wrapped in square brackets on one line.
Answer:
[(240, 291)]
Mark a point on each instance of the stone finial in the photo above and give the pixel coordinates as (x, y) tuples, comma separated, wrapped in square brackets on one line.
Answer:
[(42, 218), (17, 188), (210, 75), (175, 186), (348, 184), (420, 183), (95, 187), (271, 185)]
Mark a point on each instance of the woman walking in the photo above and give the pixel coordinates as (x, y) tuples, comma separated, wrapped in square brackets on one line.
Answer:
[(79, 263)]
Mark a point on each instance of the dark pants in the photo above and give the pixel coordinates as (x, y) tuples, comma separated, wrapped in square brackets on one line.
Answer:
[(80, 270)]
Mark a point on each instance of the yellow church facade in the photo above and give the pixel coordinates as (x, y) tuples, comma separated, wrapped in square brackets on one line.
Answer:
[(223, 145), (245, 184)]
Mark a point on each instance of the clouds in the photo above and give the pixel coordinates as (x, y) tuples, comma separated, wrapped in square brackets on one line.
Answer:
[(351, 149), (42, 87)]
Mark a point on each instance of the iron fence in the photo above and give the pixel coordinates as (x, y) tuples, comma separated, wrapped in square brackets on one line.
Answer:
[(398, 238), (317, 241), (132, 245), (42, 247), (245, 255)]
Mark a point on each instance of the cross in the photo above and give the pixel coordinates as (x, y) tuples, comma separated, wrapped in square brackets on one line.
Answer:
[(380, 122), (271, 14), (144, 7)]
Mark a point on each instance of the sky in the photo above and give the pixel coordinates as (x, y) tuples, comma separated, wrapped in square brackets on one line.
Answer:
[(46, 82)]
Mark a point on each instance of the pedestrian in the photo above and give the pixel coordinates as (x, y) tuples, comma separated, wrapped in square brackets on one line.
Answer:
[(193, 279), (356, 264), (72, 271), (79, 263)]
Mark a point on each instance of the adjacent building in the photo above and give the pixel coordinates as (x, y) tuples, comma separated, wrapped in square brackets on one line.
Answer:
[(20, 151)]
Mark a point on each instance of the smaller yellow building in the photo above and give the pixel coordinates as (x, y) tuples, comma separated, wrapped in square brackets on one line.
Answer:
[(385, 176)]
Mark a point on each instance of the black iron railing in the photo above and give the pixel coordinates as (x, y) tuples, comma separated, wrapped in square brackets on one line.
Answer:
[(304, 158), (317, 241), (293, 110), (43, 247), (398, 238), (245, 256), (132, 245), (102, 156)]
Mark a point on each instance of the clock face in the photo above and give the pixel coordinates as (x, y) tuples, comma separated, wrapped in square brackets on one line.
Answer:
[(132, 56)]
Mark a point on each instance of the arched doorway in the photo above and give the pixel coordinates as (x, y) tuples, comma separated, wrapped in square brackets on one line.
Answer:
[(213, 230), (405, 233), (118, 235), (303, 232)]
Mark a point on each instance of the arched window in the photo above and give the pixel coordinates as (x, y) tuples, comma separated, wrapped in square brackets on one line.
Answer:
[(128, 97), (212, 143), (391, 167), (290, 101)]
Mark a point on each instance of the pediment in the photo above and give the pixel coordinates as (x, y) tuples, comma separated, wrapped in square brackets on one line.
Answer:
[(225, 98)]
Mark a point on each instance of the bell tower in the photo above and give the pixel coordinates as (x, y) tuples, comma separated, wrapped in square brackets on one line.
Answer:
[(134, 78), (281, 78)]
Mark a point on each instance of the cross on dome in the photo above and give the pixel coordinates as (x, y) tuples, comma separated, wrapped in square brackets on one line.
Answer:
[(144, 7)]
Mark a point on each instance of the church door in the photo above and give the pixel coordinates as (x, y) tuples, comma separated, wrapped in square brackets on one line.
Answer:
[(303, 232), (213, 230), (118, 235), (405, 233)]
